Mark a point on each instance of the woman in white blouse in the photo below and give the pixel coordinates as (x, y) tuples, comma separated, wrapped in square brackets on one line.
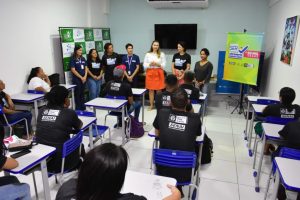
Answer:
[(154, 63), (38, 80)]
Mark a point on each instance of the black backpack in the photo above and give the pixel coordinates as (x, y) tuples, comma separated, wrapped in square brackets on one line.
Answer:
[(207, 150)]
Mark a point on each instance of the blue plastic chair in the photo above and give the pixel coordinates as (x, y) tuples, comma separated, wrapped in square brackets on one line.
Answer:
[(177, 159), (35, 92), (11, 123), (284, 152), (273, 120), (98, 130)]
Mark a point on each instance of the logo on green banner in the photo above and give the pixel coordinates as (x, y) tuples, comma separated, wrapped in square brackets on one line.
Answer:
[(67, 35), (88, 34), (66, 64), (99, 46), (82, 44), (105, 34)]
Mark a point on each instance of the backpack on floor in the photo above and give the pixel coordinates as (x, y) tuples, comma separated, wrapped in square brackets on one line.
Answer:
[(207, 150), (136, 129)]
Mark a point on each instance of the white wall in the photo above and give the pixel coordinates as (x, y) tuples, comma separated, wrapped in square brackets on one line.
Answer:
[(280, 74), (133, 21), (29, 34)]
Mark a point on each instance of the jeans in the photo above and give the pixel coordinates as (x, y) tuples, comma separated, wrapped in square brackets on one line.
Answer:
[(94, 87), (19, 115), (79, 94), (136, 107), (15, 191)]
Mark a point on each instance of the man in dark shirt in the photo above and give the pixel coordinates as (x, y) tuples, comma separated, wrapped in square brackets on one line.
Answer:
[(163, 99), (286, 108), (10, 112), (177, 129), (119, 88)]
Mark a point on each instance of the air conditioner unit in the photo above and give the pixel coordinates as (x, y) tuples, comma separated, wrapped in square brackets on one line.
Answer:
[(178, 4)]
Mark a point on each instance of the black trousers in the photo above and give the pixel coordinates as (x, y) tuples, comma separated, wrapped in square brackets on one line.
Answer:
[(79, 94)]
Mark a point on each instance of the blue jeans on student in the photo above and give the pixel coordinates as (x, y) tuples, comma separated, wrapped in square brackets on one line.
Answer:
[(79, 93), (19, 115), (15, 191), (94, 87), (136, 107)]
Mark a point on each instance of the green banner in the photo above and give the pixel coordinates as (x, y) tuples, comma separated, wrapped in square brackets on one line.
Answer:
[(99, 46), (105, 34), (242, 57), (67, 35), (88, 34)]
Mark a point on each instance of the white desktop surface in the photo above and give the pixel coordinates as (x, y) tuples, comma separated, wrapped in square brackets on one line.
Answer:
[(203, 96), (27, 97), (271, 130), (38, 153), (289, 171), (87, 121), (106, 103), (152, 187), (258, 108), (68, 86), (138, 91)]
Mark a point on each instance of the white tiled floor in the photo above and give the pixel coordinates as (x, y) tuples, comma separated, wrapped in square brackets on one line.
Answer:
[(228, 177)]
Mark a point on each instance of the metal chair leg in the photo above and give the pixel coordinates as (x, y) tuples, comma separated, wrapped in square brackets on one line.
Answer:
[(268, 184), (35, 187)]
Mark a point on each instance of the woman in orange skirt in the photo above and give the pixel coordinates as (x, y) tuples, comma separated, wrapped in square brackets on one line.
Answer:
[(154, 63)]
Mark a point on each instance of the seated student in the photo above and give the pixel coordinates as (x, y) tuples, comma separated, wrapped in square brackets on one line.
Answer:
[(284, 109), (10, 187), (176, 124), (55, 123), (11, 113), (163, 99), (119, 88), (38, 80), (188, 86), (290, 133), (102, 175)]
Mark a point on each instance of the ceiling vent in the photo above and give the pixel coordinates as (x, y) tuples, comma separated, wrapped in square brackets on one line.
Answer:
[(178, 4)]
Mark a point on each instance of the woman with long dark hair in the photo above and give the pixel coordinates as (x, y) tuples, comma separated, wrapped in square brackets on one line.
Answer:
[(55, 123), (181, 62), (79, 70), (109, 61), (38, 80), (101, 177), (95, 73), (154, 62)]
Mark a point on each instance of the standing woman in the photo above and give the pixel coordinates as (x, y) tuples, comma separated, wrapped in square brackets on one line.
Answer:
[(95, 74), (109, 61), (79, 71), (154, 62), (203, 70), (181, 62), (132, 63)]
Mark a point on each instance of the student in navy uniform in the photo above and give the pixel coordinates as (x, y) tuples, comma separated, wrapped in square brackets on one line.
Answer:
[(132, 63), (102, 175), (109, 61), (176, 124), (79, 70), (95, 73), (55, 123), (290, 133), (10, 112), (163, 99), (118, 87), (181, 62), (284, 109)]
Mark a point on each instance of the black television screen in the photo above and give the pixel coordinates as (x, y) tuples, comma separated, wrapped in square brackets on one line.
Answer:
[(169, 34)]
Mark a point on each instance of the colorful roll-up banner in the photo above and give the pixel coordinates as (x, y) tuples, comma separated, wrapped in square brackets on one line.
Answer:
[(242, 57)]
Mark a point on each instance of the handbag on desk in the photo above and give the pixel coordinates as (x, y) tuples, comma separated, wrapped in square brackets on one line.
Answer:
[(14, 143)]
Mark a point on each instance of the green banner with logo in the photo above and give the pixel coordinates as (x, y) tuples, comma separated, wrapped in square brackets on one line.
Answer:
[(87, 38)]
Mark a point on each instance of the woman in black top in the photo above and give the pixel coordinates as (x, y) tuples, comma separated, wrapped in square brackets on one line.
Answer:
[(95, 73), (203, 70), (181, 62), (55, 123), (101, 177), (109, 61)]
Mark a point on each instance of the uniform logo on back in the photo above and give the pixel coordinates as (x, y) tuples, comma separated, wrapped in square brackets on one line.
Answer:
[(177, 122)]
